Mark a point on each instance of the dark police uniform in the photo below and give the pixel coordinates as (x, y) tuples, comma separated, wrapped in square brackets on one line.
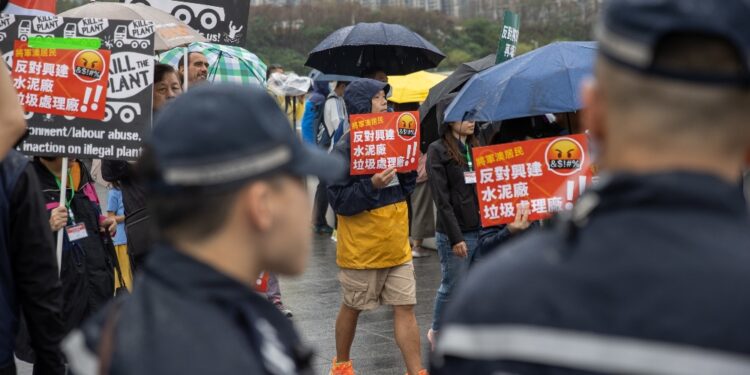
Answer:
[(648, 273), (188, 318), (641, 274)]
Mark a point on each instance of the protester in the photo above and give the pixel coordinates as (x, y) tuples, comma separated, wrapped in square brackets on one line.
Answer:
[(643, 274), (314, 118), (116, 211), (12, 123), (166, 85), (138, 224), (335, 124), (336, 117), (86, 270), (333, 114), (87, 260), (226, 198), (30, 286), (197, 69), (314, 110), (423, 211), (373, 249), (452, 180), (293, 106), (273, 68)]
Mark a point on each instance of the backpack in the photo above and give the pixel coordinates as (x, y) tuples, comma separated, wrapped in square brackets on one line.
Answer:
[(322, 135)]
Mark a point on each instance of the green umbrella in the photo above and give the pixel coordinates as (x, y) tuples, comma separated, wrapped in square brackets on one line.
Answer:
[(226, 63)]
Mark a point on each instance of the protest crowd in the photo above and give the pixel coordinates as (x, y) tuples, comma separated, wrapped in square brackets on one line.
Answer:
[(587, 202)]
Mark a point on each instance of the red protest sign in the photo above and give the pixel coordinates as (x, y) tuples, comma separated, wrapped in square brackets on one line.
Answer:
[(547, 175), (61, 81), (383, 140)]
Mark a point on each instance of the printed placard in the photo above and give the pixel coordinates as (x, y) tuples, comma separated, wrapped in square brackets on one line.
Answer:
[(119, 114), (64, 82), (546, 175), (384, 140), (506, 48), (219, 21)]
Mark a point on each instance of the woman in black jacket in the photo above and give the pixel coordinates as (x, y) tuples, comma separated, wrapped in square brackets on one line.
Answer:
[(452, 180)]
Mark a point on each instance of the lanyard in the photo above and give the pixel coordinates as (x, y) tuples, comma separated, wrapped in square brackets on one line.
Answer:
[(72, 194), (468, 159)]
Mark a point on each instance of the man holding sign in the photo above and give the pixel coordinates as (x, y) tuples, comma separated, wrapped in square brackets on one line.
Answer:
[(373, 249)]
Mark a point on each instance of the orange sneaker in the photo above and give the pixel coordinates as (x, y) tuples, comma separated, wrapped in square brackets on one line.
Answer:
[(343, 368)]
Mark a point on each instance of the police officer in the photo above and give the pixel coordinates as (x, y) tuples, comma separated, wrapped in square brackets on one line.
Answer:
[(225, 175), (647, 273)]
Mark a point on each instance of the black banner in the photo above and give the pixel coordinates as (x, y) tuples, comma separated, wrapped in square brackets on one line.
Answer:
[(128, 112), (220, 21)]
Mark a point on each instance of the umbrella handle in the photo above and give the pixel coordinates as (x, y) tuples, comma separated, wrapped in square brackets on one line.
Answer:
[(185, 68), (216, 65)]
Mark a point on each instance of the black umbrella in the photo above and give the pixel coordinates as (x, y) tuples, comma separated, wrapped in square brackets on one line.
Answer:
[(353, 50), (454, 83)]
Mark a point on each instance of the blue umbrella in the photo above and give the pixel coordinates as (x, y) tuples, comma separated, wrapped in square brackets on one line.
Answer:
[(352, 50), (546, 80)]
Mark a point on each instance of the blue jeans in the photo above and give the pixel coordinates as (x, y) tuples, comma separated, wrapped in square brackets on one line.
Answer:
[(452, 270)]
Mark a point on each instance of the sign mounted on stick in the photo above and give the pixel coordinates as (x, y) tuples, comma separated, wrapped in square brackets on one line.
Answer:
[(91, 95), (506, 48)]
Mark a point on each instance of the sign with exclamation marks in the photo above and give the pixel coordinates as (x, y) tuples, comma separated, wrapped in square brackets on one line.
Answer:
[(87, 96), (64, 82), (411, 154), (546, 175), (384, 140)]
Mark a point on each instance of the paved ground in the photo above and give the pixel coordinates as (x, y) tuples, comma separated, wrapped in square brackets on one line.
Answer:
[(315, 299)]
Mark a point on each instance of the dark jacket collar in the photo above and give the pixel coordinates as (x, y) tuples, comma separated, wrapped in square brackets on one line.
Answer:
[(677, 190), (192, 277)]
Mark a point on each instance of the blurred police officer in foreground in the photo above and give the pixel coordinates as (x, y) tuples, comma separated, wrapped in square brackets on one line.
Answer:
[(648, 274), (225, 173)]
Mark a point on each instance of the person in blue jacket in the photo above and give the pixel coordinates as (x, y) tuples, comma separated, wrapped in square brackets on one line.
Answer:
[(646, 274), (312, 106), (372, 248)]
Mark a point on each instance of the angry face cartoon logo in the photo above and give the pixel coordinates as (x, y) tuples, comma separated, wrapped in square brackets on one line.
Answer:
[(407, 126), (564, 156), (88, 65)]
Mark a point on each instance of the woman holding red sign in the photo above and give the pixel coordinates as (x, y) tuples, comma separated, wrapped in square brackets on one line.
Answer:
[(452, 179)]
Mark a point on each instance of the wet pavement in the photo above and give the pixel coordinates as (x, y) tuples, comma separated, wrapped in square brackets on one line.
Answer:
[(315, 299)]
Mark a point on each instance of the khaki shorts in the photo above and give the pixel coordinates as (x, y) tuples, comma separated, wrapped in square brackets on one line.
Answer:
[(368, 289)]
